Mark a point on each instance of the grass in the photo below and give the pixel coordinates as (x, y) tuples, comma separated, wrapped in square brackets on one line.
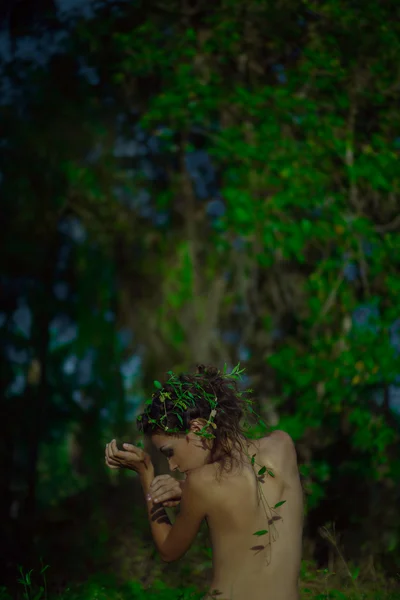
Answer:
[(149, 579), (315, 585)]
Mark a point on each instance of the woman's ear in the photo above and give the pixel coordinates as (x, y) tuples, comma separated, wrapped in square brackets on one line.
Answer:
[(197, 424)]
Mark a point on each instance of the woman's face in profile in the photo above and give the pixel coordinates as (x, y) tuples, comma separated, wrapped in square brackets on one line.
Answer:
[(184, 452)]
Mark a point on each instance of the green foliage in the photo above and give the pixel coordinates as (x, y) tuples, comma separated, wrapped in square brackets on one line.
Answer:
[(297, 104), (101, 587)]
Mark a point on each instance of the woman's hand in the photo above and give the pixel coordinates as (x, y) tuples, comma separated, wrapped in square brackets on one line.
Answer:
[(165, 490), (131, 457)]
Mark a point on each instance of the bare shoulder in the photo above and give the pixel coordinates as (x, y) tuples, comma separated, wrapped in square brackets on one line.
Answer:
[(279, 438), (280, 450), (200, 476), (199, 483)]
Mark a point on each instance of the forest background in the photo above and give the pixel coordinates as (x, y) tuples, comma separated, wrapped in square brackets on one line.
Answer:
[(187, 182)]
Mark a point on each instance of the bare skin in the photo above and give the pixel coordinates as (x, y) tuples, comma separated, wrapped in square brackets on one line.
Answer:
[(242, 570), (245, 566)]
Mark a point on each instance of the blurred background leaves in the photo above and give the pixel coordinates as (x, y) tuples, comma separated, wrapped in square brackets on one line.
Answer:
[(183, 183)]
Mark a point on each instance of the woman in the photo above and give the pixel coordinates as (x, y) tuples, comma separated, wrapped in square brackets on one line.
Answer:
[(255, 515)]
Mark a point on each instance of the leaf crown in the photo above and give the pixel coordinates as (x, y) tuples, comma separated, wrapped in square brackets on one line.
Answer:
[(180, 392)]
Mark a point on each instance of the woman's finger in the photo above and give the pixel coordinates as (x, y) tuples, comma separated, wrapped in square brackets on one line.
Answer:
[(109, 459), (108, 451), (165, 490), (113, 448), (163, 496), (109, 454), (156, 489), (163, 480), (171, 503), (125, 455), (112, 464), (132, 448)]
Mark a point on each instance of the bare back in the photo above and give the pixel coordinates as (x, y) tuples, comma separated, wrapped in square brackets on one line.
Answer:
[(245, 566)]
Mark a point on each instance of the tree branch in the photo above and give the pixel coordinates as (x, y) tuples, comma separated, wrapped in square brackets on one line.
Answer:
[(387, 227)]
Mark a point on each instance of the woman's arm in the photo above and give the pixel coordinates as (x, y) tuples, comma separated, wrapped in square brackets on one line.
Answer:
[(159, 521)]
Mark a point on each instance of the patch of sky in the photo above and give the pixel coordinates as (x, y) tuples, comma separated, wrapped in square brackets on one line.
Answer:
[(245, 381), (216, 208), (128, 148), (61, 290), (63, 256), (394, 331), (148, 169), (146, 207), (73, 228), (95, 154), (62, 331), (130, 368), (164, 132), (140, 134), (279, 71), (365, 317), (109, 316), (81, 8), (70, 364), (126, 196), (77, 231), (17, 356), (17, 387), (139, 200), (130, 372), (394, 397), (131, 173), (200, 168), (85, 367), (105, 413), (36, 47), (230, 337), (153, 144), (276, 334), (77, 396), (350, 271), (199, 161), (367, 247), (89, 73), (200, 187), (239, 243), (134, 404), (125, 337), (244, 353), (296, 119), (161, 218), (22, 318), (239, 309), (84, 400)]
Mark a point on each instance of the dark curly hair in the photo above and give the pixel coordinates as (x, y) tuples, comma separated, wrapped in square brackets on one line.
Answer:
[(207, 381)]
